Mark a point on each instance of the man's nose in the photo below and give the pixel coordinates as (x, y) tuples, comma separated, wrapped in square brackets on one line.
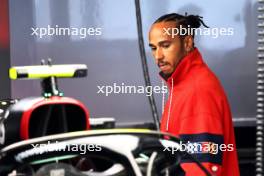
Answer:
[(159, 54)]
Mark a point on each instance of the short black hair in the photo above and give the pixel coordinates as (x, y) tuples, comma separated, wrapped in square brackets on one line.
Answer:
[(187, 21)]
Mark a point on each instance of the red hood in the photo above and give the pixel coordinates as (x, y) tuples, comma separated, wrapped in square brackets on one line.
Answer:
[(184, 66)]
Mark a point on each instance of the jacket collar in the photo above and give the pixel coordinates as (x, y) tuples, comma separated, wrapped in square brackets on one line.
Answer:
[(184, 66)]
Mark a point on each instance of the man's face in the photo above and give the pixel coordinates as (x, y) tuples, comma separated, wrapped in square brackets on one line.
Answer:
[(167, 50)]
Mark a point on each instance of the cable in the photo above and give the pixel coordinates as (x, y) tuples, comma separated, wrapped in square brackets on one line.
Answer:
[(163, 98), (260, 94), (145, 65), (151, 162)]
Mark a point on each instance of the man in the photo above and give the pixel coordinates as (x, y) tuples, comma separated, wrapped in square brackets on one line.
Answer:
[(197, 109)]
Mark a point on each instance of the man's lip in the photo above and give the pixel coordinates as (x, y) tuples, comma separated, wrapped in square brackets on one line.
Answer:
[(163, 67)]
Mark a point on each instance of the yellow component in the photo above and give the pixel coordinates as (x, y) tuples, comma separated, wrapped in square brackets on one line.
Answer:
[(12, 73), (132, 130), (45, 75), (45, 71), (106, 131)]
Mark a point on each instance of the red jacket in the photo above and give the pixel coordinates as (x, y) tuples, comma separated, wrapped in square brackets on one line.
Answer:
[(197, 111)]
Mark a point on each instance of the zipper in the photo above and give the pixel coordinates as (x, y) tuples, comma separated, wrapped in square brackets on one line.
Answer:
[(169, 111)]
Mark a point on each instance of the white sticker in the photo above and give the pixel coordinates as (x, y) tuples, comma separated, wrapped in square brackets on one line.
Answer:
[(57, 172)]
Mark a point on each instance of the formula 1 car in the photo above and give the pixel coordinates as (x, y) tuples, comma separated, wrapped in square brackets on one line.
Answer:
[(112, 152), (51, 135)]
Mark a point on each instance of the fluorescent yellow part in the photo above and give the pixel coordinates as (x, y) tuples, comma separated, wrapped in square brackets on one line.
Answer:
[(12, 73), (106, 131), (44, 71), (45, 75)]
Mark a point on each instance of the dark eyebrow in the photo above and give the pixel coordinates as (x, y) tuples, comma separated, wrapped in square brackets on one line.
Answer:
[(160, 43), (151, 45), (163, 42)]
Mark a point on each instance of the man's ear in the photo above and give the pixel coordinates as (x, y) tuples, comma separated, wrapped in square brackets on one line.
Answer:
[(188, 43)]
